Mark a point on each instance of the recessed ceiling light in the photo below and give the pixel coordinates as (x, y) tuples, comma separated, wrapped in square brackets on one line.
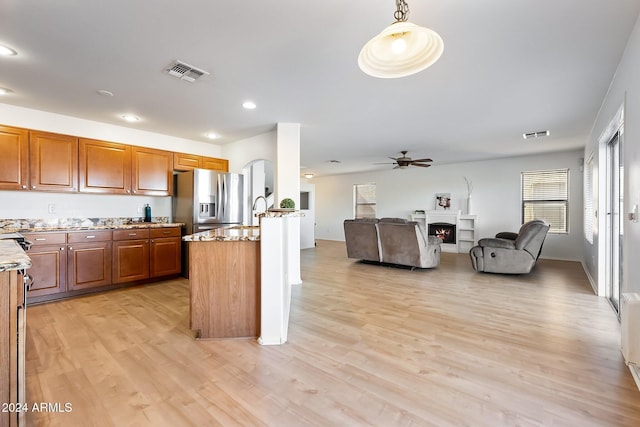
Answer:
[(5, 91), (212, 135), (308, 175), (249, 105), (7, 51), (129, 118), (104, 92)]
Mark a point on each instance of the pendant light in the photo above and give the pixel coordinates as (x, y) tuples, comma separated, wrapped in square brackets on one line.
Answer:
[(401, 49)]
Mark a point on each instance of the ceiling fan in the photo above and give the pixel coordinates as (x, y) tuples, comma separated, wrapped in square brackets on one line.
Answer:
[(404, 161)]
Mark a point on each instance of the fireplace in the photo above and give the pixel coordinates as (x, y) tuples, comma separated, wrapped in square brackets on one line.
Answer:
[(444, 231)]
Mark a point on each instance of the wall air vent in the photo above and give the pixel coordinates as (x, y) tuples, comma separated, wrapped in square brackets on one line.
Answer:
[(534, 135), (185, 71)]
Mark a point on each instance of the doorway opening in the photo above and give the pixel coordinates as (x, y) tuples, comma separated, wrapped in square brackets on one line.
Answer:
[(614, 220)]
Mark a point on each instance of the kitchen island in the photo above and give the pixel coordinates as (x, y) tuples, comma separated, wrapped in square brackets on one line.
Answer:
[(12, 330), (224, 281), (240, 279)]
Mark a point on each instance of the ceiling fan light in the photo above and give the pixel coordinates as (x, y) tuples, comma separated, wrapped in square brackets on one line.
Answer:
[(378, 57)]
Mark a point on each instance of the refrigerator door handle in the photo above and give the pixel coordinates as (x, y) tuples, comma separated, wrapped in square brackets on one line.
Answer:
[(220, 196)]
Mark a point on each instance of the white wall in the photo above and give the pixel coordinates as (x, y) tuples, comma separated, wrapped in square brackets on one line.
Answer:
[(625, 89), (241, 153), (496, 196), (50, 122)]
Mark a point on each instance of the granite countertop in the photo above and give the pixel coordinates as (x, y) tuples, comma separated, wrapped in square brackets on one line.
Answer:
[(12, 257), (100, 227), (38, 228), (226, 234)]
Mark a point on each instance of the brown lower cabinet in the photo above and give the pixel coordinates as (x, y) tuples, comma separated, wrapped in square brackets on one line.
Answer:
[(165, 253), (88, 259), (48, 270), (63, 263), (130, 255)]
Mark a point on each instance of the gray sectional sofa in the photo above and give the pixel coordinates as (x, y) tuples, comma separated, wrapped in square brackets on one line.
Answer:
[(391, 240)]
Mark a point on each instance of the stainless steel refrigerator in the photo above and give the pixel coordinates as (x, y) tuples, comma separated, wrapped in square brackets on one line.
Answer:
[(206, 199)]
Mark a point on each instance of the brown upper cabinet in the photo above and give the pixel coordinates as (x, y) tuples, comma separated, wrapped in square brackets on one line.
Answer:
[(105, 167), (53, 162), (109, 167), (185, 162), (152, 172), (14, 163), (45, 161)]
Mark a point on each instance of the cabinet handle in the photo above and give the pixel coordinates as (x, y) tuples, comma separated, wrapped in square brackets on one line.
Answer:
[(90, 237), (33, 186), (70, 248), (41, 239), (24, 186), (61, 249), (133, 234), (166, 232)]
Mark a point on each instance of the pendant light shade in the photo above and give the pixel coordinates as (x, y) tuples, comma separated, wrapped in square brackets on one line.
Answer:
[(401, 49)]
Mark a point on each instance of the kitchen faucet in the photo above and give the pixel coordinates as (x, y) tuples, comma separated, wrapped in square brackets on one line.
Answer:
[(255, 203)]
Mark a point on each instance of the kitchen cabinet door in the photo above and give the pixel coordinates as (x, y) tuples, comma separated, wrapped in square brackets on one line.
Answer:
[(186, 162), (105, 167), (48, 270), (53, 161), (130, 260), (152, 172), (215, 164), (88, 259), (14, 162), (165, 248)]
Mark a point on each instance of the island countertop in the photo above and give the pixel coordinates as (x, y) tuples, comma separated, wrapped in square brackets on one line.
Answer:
[(226, 234), (12, 257)]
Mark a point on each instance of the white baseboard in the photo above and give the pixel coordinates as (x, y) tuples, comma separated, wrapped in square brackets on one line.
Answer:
[(635, 373), (594, 285)]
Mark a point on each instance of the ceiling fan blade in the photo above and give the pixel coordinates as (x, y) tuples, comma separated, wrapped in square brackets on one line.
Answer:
[(420, 165), (423, 160), (397, 167), (384, 163)]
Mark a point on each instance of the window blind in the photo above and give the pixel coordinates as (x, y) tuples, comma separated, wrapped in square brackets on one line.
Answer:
[(364, 200), (545, 195), (588, 201)]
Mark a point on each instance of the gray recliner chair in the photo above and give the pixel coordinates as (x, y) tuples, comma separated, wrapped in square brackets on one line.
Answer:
[(510, 253)]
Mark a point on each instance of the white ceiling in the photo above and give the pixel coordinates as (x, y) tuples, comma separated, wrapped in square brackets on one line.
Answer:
[(508, 67)]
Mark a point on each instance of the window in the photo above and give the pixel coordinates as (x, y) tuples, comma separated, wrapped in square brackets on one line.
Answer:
[(364, 197), (545, 195)]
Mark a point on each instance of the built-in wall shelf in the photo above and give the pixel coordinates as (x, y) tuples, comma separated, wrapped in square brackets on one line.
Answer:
[(465, 225)]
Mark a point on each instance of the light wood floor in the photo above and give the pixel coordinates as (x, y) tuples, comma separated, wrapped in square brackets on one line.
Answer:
[(368, 345)]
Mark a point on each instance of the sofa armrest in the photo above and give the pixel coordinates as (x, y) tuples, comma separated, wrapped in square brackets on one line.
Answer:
[(433, 240), (497, 243), (507, 235)]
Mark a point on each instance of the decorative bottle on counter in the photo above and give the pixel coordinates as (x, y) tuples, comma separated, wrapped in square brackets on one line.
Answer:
[(147, 213)]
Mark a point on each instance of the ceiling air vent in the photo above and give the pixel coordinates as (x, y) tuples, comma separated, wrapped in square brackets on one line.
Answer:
[(533, 135), (185, 71)]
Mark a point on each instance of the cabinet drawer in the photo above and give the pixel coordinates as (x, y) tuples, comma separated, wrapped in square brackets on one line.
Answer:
[(46, 238), (89, 236), (165, 232), (131, 234)]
